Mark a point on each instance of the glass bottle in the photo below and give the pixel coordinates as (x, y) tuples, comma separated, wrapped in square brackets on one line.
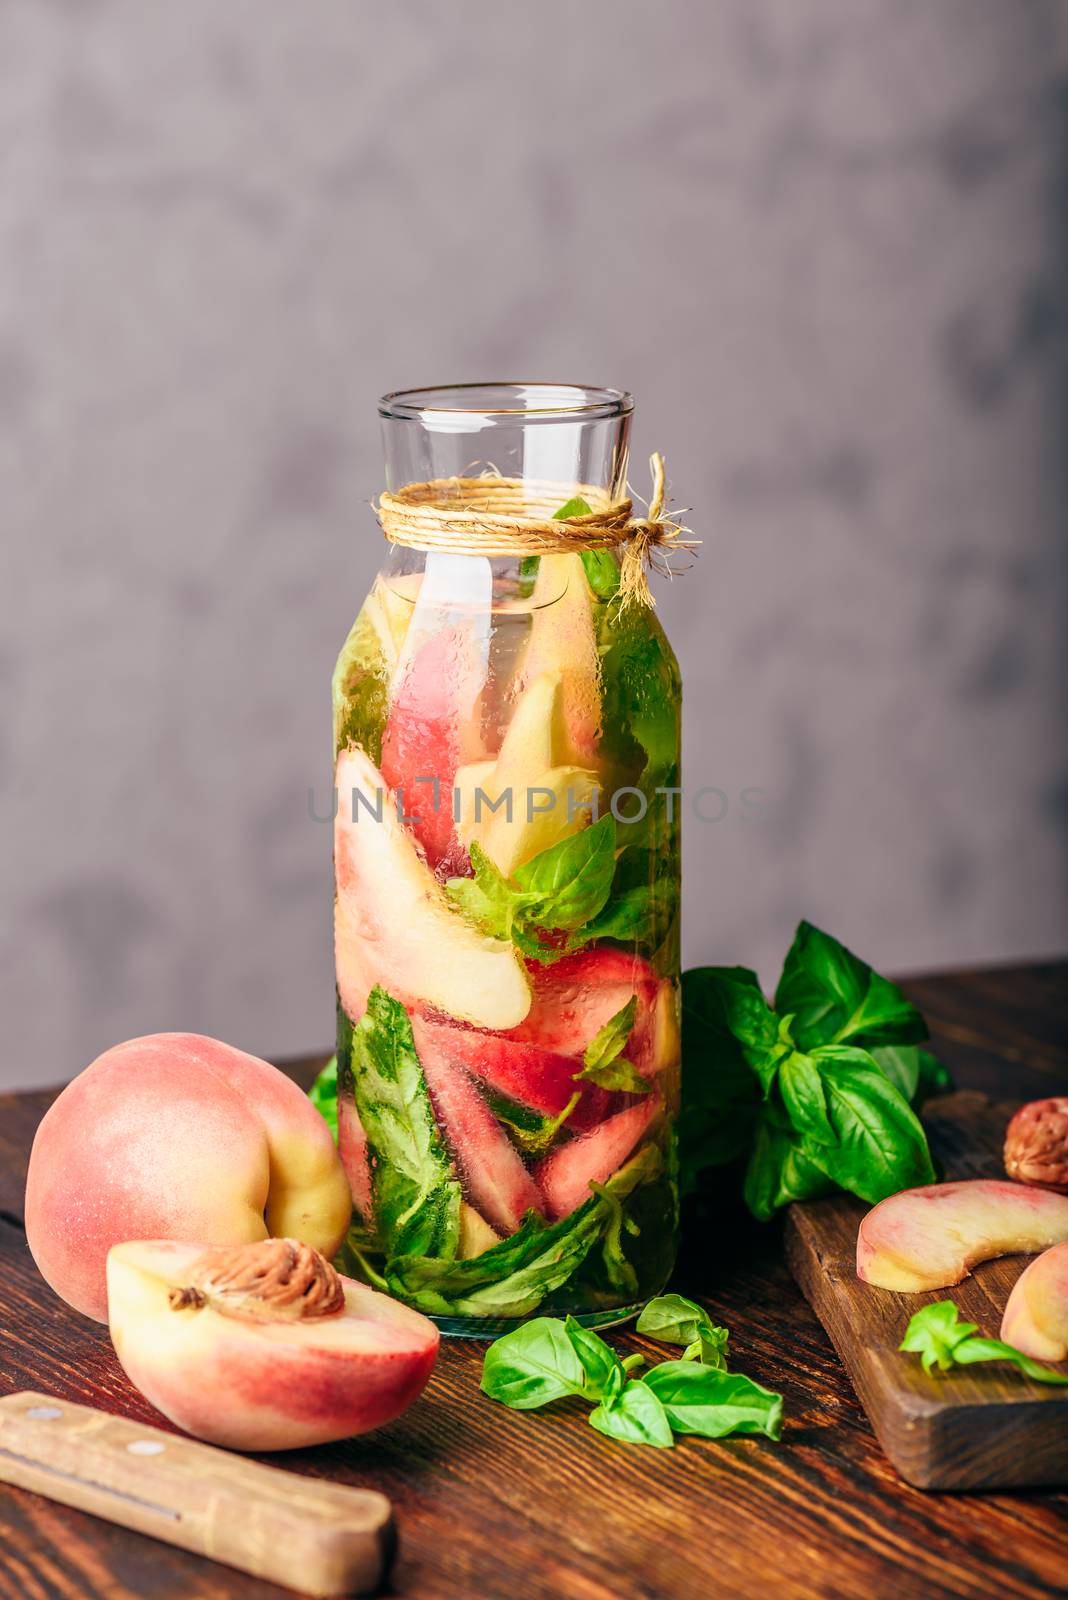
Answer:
[(507, 891)]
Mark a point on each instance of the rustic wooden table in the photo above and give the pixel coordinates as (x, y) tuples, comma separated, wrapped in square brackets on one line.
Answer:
[(503, 1506)]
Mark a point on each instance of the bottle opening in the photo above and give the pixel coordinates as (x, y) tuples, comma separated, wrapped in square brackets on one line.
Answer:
[(462, 404)]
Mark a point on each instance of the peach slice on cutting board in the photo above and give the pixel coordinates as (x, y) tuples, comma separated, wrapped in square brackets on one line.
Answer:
[(931, 1238), (1036, 1317), (262, 1346)]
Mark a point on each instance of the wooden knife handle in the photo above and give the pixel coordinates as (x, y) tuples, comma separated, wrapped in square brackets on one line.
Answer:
[(320, 1537)]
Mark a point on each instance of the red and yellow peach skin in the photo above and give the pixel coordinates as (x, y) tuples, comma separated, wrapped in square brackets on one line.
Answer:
[(931, 1238), (1036, 1317), (176, 1136), (262, 1385)]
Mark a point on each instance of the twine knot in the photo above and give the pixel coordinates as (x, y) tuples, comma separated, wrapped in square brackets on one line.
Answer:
[(496, 516)]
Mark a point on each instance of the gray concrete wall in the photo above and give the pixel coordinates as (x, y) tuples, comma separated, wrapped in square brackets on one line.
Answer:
[(817, 238)]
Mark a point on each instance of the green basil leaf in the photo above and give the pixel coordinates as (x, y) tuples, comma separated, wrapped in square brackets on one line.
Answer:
[(880, 1146), (602, 572), (487, 899), (780, 1169), (833, 996), (714, 1403), (323, 1095), (415, 1191), (720, 1093), (934, 1333), (611, 1040), (598, 1360), (603, 1059), (512, 1278), (633, 1415), (941, 1338), (531, 1131), (617, 1074), (570, 882), (575, 507), (995, 1350), (532, 1366), (801, 1087), (901, 1064), (600, 566), (933, 1077), (672, 1319)]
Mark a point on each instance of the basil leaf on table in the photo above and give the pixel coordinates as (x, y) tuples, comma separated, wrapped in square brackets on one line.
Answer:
[(833, 996), (713, 1403), (632, 1414), (532, 1366), (546, 1360), (323, 1095), (942, 1339), (415, 1191), (673, 1319), (598, 1360)]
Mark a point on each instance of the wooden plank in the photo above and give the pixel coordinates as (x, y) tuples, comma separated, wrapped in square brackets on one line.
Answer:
[(501, 1504), (979, 1428), (508, 1506)]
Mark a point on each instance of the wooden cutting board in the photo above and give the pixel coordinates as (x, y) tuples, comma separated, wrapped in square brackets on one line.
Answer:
[(982, 1427)]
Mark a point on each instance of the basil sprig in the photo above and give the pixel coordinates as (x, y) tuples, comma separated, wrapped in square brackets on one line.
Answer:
[(603, 1061), (816, 1092), (548, 1360), (560, 890), (415, 1192), (941, 1339), (673, 1319)]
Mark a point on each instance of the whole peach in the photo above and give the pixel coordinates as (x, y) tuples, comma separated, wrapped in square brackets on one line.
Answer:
[(176, 1136)]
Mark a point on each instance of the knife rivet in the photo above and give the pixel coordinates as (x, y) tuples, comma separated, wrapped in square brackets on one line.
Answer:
[(146, 1447), (44, 1413)]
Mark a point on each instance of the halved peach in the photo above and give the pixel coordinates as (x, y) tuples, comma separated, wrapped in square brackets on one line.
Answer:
[(931, 1238), (1036, 1317), (262, 1346)]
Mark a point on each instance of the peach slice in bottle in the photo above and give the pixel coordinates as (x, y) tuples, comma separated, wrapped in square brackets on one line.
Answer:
[(490, 1168), (539, 1079), (564, 1177), (432, 729), (575, 996), (262, 1346), (563, 640), (529, 798), (394, 926), (931, 1238), (1036, 1317)]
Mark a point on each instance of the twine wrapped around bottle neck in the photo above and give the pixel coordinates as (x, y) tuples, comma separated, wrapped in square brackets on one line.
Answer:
[(495, 516)]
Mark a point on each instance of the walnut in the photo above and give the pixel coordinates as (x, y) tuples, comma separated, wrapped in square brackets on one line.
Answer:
[(1036, 1144), (274, 1280)]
